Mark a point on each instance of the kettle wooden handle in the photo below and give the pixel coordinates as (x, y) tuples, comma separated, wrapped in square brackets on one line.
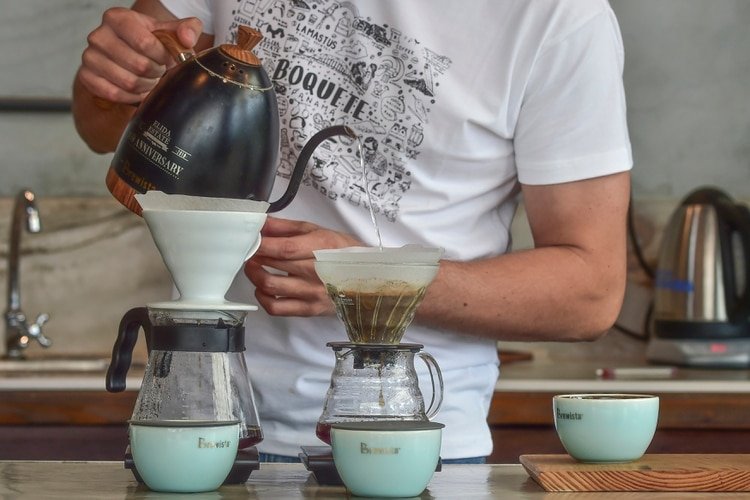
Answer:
[(169, 39)]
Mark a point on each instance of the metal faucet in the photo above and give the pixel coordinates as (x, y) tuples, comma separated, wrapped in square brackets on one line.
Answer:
[(18, 332)]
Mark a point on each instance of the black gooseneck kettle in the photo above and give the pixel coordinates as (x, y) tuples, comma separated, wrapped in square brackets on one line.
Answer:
[(210, 127)]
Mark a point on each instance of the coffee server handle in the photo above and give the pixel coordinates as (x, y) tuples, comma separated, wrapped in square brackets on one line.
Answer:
[(122, 352), (436, 378)]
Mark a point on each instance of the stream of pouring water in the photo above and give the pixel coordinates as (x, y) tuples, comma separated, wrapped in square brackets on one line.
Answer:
[(367, 189), (381, 400)]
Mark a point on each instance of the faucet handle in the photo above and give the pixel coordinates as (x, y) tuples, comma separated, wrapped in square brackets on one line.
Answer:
[(35, 330)]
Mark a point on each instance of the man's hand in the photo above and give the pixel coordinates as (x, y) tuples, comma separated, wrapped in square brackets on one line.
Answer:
[(124, 60), (121, 65), (291, 287)]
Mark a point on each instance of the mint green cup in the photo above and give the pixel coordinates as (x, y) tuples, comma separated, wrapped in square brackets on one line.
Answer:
[(386, 458), (183, 456), (606, 427)]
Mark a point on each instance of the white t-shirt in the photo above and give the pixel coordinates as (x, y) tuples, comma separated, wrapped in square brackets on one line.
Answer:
[(456, 102)]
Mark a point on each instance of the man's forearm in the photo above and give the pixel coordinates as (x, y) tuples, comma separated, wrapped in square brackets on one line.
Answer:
[(549, 293), (99, 123)]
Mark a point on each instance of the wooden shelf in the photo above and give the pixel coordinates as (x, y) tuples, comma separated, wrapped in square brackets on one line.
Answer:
[(66, 407)]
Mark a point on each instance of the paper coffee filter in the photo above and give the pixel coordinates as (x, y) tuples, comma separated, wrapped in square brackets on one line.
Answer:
[(374, 277), (203, 241), (158, 200), (407, 254)]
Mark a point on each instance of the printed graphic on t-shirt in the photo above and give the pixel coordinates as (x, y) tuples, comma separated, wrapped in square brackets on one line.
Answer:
[(332, 66)]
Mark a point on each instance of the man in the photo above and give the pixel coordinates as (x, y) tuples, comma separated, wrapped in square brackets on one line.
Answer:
[(470, 104)]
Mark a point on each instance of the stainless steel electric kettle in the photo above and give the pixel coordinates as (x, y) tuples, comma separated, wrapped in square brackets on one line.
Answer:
[(702, 290)]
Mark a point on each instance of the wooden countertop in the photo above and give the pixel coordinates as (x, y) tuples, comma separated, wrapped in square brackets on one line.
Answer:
[(109, 480)]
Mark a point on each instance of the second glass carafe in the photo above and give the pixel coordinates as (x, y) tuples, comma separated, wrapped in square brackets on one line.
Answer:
[(378, 382)]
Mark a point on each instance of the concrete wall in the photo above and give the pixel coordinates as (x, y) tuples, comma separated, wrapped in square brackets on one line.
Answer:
[(686, 75), (41, 45)]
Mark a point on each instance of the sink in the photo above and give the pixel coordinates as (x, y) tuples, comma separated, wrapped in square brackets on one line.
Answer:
[(61, 372), (49, 365)]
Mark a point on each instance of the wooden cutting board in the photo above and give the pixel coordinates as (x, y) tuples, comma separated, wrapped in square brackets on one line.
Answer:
[(689, 472)]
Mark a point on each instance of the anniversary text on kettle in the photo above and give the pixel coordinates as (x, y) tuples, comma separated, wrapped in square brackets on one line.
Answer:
[(155, 156)]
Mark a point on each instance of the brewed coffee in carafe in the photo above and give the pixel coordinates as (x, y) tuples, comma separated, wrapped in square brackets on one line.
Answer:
[(378, 382)]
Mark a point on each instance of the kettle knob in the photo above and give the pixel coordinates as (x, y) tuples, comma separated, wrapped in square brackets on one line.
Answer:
[(247, 38)]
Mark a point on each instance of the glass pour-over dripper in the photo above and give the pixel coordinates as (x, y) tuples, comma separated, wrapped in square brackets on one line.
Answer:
[(376, 291)]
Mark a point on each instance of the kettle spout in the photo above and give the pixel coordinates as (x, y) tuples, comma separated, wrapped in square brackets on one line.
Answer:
[(304, 157)]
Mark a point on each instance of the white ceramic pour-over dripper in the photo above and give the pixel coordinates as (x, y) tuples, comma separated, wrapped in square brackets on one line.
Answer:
[(376, 291), (204, 249)]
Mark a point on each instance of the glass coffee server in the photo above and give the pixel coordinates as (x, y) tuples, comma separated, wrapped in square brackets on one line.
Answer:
[(196, 371), (376, 292)]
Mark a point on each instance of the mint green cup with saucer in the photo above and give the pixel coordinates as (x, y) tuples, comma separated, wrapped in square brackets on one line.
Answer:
[(184, 456), (386, 458), (606, 427)]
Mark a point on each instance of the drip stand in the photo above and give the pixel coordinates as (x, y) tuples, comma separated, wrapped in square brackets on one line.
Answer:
[(319, 461)]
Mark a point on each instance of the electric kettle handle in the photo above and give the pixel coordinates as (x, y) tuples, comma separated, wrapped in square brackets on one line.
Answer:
[(122, 352), (738, 217)]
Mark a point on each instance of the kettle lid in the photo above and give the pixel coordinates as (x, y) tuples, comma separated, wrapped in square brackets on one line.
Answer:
[(236, 63), (247, 38)]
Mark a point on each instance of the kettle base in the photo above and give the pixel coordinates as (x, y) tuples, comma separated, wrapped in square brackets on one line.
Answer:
[(700, 353)]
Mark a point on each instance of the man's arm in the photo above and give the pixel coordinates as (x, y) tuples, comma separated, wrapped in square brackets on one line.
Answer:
[(121, 64), (569, 287)]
